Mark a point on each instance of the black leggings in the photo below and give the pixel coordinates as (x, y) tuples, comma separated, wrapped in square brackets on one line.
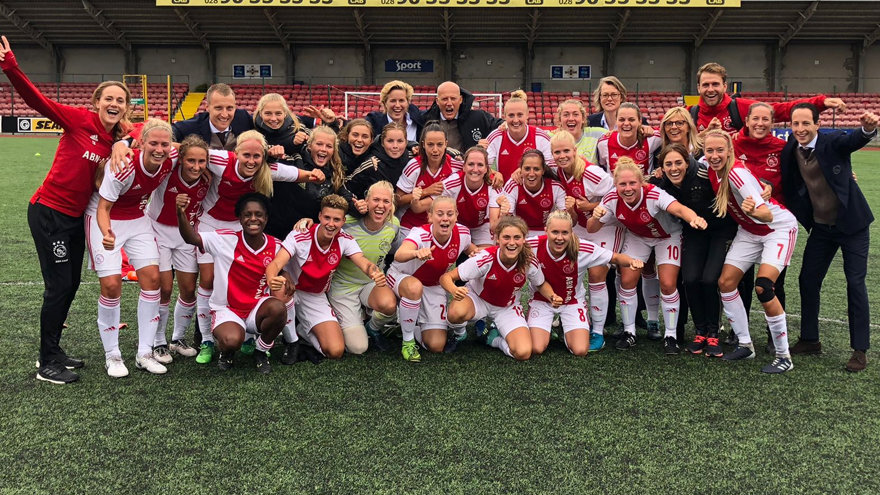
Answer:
[(702, 257)]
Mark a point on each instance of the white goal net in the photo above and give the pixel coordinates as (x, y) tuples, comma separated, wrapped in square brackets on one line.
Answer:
[(360, 103)]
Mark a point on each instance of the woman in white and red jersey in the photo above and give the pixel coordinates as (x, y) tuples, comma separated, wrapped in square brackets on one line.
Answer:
[(506, 146), (648, 213), (473, 193), (235, 173), (585, 185), (240, 304), (564, 260), (494, 279), (423, 176), (534, 198), (629, 140), (188, 180), (427, 253), (310, 258), (767, 234), (55, 212), (115, 219)]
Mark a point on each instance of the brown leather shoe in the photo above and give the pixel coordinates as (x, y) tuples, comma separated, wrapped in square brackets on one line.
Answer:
[(857, 362), (807, 348)]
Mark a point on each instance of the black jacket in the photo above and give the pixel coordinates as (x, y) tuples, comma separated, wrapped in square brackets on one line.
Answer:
[(200, 125), (378, 166), (697, 194), (473, 125), (282, 136), (833, 151), (379, 120)]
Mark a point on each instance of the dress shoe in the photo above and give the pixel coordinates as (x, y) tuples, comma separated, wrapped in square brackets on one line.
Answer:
[(857, 362), (807, 348)]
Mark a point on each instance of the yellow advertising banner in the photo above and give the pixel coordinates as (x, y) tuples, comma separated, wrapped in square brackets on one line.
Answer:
[(37, 124), (448, 3)]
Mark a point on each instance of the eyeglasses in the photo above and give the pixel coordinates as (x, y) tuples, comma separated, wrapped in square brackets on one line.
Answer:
[(609, 96), (675, 123)]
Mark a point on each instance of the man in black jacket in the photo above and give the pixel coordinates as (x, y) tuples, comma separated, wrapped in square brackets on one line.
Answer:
[(822, 193), (464, 126), (220, 125)]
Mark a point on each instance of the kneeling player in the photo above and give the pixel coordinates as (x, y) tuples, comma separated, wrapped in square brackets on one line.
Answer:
[(239, 304)]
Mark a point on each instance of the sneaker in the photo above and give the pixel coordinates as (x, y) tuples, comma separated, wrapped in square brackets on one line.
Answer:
[(162, 354), (654, 330), (741, 352), (68, 362), (627, 342), (182, 348), (597, 342), (670, 346), (697, 346), (556, 327), (206, 353), (262, 360), (291, 351), (57, 374), (778, 365), (224, 360), (379, 341), (491, 335), (480, 329), (619, 334), (115, 367), (713, 347), (248, 347), (453, 341), (150, 363), (410, 351)]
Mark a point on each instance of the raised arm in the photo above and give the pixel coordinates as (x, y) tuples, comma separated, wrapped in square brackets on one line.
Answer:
[(686, 214), (55, 111)]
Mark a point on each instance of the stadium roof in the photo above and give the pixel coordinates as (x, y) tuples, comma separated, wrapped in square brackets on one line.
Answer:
[(53, 23)]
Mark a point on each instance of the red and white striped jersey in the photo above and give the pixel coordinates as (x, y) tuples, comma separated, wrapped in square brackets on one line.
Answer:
[(228, 185), (239, 271), (495, 283), (647, 218), (473, 206), (443, 256), (610, 150), (563, 274), (312, 267), (505, 153), (534, 207), (594, 184), (163, 204), (742, 185), (130, 190), (413, 177)]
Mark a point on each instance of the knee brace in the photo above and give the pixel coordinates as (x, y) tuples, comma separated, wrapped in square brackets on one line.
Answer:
[(768, 292)]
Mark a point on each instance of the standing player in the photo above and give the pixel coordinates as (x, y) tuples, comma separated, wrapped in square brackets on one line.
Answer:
[(494, 278), (55, 212), (507, 146), (628, 140), (534, 198), (564, 260), (767, 234), (473, 194), (585, 185), (239, 305), (648, 214), (176, 257), (115, 219), (310, 258), (427, 253)]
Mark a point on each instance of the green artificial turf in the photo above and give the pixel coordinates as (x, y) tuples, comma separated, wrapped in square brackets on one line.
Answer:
[(473, 422)]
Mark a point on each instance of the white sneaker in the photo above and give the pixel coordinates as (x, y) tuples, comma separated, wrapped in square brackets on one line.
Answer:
[(182, 348), (116, 367), (149, 363), (161, 354)]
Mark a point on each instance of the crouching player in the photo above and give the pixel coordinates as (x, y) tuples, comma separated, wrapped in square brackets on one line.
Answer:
[(564, 260), (310, 258), (239, 303), (494, 278)]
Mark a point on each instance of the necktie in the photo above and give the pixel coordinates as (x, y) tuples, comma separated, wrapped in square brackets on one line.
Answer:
[(805, 152), (222, 137)]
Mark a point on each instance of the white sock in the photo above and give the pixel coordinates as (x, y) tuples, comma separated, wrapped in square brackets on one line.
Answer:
[(148, 320), (670, 304), (183, 314), (779, 331), (651, 293), (289, 330), (736, 315), (598, 307), (159, 339), (501, 343), (409, 314), (204, 314), (263, 346), (315, 342), (629, 303), (108, 325)]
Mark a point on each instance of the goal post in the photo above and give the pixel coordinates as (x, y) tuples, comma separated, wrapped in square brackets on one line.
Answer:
[(360, 103)]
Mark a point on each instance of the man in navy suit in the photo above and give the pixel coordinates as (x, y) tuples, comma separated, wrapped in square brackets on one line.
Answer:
[(220, 125), (821, 191)]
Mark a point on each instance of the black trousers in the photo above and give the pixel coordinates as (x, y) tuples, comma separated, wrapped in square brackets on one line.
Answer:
[(61, 243), (822, 246), (702, 257)]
